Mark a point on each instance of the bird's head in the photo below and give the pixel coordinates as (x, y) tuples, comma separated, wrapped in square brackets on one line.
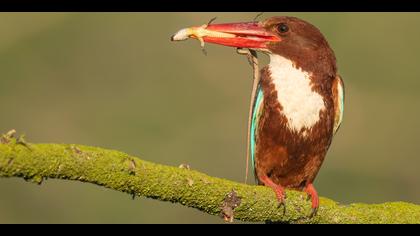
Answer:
[(289, 37)]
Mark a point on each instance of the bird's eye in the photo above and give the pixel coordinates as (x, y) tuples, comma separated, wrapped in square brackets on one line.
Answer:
[(282, 28)]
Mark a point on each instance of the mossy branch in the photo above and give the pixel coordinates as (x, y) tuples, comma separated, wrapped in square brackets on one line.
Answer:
[(125, 173)]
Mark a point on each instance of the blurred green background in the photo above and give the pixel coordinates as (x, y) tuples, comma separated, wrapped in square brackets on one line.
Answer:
[(114, 80)]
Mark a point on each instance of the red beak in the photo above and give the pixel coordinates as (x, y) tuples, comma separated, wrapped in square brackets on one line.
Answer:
[(240, 35), (248, 35)]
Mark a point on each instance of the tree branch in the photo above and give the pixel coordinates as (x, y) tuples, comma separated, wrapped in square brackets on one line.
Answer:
[(125, 173)]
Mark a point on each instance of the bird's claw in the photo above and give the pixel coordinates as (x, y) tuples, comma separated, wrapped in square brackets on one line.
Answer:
[(281, 197), (278, 190), (282, 203), (314, 211), (313, 195)]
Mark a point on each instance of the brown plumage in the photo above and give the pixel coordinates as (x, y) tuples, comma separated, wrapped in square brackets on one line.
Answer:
[(285, 158)]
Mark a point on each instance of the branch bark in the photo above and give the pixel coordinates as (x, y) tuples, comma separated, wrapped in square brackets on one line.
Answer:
[(129, 174)]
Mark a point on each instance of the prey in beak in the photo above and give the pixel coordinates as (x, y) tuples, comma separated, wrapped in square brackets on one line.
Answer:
[(250, 35), (247, 37)]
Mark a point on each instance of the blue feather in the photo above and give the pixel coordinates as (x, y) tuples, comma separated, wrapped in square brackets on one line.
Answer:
[(254, 123)]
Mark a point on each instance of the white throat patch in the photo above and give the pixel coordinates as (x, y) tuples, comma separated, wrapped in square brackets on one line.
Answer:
[(301, 105)]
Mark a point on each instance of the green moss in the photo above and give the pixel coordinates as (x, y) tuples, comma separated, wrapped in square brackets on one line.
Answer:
[(122, 172)]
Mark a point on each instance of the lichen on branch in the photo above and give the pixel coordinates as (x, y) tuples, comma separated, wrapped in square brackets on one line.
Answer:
[(227, 199)]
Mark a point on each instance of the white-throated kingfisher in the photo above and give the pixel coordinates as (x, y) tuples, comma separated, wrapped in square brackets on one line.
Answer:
[(298, 104)]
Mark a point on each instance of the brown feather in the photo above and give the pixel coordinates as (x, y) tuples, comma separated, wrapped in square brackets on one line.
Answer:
[(287, 157)]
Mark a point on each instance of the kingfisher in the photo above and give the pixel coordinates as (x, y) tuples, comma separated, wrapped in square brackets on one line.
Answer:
[(298, 103)]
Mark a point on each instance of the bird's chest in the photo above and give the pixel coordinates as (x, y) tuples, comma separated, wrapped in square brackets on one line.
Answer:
[(299, 104)]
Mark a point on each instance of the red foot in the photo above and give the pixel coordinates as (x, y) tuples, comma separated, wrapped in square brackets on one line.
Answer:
[(278, 189), (310, 190)]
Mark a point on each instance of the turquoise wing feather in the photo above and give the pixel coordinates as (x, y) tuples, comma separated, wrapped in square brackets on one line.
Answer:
[(256, 113)]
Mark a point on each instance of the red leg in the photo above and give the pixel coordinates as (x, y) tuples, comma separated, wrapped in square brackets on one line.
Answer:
[(310, 190), (278, 189)]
